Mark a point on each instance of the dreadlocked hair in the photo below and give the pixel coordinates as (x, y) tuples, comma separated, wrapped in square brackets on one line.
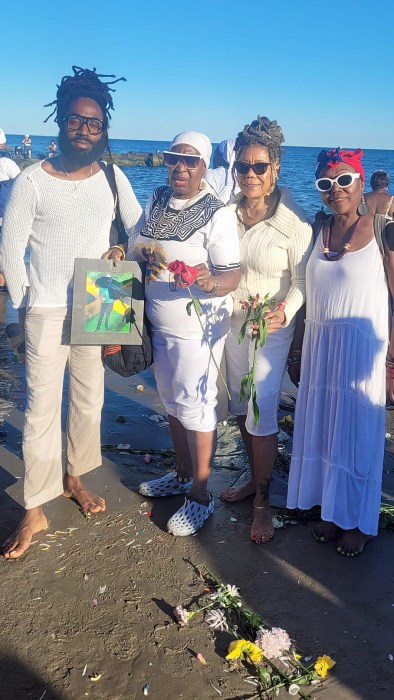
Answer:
[(84, 83), (265, 133)]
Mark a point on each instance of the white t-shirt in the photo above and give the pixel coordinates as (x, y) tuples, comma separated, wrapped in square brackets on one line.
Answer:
[(8, 169), (214, 243)]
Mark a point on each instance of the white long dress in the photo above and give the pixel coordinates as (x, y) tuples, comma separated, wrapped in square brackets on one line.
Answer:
[(340, 414)]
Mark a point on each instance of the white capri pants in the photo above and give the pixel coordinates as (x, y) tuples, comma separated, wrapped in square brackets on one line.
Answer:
[(270, 367), (186, 379)]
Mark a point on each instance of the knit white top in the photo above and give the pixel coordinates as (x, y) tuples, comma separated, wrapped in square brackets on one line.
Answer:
[(58, 221), (274, 254)]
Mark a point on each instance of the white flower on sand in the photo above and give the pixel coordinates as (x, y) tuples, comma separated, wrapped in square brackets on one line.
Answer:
[(216, 620), (273, 642), (227, 595), (181, 615)]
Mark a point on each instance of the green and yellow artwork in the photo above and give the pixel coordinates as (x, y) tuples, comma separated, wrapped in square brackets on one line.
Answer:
[(108, 307)]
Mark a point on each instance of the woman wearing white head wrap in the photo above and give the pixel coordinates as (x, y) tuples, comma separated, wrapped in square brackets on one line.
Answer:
[(221, 176), (186, 222)]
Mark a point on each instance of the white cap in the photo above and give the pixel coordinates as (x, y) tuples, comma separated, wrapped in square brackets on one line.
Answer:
[(3, 139), (199, 141)]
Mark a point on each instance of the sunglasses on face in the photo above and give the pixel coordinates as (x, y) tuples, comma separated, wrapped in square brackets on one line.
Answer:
[(243, 168), (75, 122), (325, 184), (171, 160)]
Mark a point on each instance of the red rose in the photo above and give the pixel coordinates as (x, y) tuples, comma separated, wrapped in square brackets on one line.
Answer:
[(176, 267), (184, 274)]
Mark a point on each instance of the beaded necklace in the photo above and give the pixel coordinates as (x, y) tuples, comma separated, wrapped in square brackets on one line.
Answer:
[(346, 246)]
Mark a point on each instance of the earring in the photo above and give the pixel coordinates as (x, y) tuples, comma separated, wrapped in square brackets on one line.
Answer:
[(202, 186), (362, 209)]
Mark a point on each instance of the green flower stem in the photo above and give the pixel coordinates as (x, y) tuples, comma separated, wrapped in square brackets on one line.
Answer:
[(197, 306)]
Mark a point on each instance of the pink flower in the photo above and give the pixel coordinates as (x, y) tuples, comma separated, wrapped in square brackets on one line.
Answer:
[(244, 304), (181, 615), (273, 642)]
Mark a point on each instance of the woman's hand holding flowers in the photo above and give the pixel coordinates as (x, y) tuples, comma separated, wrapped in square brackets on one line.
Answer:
[(276, 318), (204, 280)]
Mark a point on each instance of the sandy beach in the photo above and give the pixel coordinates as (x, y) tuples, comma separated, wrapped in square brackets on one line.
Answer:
[(95, 596)]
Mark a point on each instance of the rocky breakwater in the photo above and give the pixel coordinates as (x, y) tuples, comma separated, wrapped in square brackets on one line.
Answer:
[(124, 160)]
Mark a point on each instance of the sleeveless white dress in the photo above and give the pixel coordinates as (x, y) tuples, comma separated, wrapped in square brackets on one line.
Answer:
[(339, 431)]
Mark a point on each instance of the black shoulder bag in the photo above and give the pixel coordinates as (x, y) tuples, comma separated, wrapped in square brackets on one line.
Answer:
[(125, 360)]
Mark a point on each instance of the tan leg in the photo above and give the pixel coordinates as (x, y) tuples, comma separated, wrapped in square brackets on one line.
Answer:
[(16, 544)]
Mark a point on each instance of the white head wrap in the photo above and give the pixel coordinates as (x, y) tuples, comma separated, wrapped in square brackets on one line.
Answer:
[(199, 141), (3, 139)]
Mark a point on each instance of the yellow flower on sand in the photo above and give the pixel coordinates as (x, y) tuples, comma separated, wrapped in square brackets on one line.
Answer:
[(241, 648), (323, 665)]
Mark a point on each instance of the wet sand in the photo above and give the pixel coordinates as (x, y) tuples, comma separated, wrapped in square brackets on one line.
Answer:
[(99, 592)]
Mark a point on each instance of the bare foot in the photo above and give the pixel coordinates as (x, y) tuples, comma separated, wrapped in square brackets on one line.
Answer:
[(34, 521), (262, 529), (88, 501), (240, 492), (326, 532), (352, 542)]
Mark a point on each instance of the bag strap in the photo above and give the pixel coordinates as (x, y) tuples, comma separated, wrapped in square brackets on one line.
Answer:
[(379, 225), (320, 218), (109, 172)]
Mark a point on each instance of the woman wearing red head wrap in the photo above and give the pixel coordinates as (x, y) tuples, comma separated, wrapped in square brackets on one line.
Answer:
[(340, 415)]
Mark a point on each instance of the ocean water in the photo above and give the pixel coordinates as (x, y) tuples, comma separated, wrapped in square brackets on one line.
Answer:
[(297, 169)]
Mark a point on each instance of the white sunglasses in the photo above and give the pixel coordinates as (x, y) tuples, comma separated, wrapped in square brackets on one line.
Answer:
[(325, 184)]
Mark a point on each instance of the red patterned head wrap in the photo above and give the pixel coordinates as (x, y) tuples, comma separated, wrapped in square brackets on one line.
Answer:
[(333, 156)]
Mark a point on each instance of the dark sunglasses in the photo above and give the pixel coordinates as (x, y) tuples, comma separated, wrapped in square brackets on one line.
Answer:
[(75, 122), (325, 184), (258, 168), (171, 160)]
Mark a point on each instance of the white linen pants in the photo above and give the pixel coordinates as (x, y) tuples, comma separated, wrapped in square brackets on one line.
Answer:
[(47, 353)]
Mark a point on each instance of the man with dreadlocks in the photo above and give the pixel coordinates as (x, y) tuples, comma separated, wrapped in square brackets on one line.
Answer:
[(62, 209)]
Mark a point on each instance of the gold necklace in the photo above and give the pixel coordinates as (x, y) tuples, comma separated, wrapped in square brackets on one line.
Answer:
[(75, 182), (267, 214)]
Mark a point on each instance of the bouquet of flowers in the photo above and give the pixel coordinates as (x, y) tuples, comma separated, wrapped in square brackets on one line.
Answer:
[(270, 651)]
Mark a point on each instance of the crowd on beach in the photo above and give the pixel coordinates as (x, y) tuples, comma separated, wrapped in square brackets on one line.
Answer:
[(272, 292)]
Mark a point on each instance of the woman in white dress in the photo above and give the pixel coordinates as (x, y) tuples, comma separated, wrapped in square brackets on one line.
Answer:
[(340, 414), (275, 242), (185, 221)]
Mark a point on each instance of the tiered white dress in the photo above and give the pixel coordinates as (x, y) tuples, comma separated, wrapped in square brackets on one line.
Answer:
[(340, 415)]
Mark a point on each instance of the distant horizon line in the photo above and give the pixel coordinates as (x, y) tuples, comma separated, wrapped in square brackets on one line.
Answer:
[(118, 138)]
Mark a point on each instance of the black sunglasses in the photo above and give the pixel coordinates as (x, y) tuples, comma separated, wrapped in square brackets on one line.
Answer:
[(258, 168), (75, 122), (171, 160)]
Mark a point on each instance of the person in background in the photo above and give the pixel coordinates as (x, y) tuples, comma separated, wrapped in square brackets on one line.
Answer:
[(186, 222), (52, 149), (338, 443), (379, 201), (8, 172), (220, 177), (276, 241), (27, 146), (62, 209)]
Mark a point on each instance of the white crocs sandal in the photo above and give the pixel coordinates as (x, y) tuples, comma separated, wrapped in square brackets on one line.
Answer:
[(168, 485), (190, 517)]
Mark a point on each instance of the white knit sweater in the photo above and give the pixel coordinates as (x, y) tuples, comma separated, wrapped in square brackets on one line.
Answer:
[(274, 254), (58, 221)]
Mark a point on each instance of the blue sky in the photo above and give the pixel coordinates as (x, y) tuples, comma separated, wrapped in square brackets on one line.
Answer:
[(323, 69)]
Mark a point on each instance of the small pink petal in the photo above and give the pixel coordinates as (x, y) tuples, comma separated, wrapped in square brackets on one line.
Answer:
[(200, 658), (147, 458)]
